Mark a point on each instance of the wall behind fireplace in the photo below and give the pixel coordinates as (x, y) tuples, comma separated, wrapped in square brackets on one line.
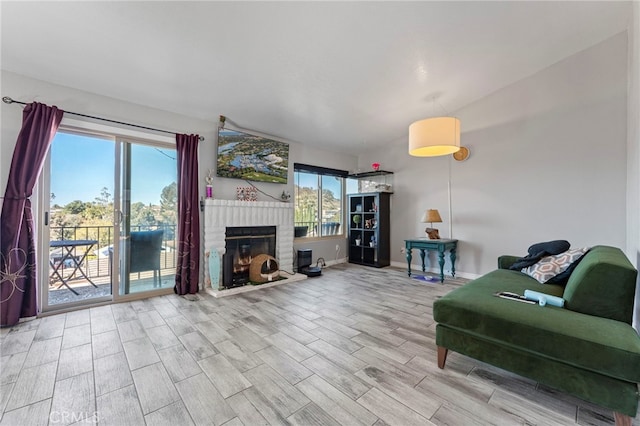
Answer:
[(224, 188)]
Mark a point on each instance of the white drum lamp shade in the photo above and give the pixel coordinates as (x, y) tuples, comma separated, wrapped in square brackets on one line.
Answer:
[(436, 136)]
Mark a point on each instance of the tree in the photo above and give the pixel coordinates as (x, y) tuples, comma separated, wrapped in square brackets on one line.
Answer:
[(105, 197), (142, 215), (94, 211), (75, 207), (102, 207), (168, 204), (66, 221)]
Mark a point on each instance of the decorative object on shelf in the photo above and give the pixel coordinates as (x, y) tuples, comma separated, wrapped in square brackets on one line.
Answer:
[(368, 223), (358, 240), (461, 155), (358, 207), (300, 231), (430, 216), (209, 180), (432, 233), (372, 243), (246, 193), (372, 181), (375, 166), (435, 136), (357, 219), (374, 206)]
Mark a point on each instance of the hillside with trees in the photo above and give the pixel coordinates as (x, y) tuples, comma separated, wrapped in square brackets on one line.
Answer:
[(92, 219), (306, 210)]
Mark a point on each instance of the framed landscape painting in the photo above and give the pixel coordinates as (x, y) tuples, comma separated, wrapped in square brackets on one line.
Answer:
[(245, 156)]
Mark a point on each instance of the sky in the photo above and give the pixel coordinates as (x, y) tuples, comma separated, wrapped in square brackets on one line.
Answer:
[(308, 180), (82, 165)]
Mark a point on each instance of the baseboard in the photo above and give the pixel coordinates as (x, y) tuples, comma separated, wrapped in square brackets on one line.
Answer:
[(336, 261), (417, 269)]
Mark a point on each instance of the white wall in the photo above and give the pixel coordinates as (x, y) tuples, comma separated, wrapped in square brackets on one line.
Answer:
[(633, 146), (26, 89), (633, 137), (548, 161)]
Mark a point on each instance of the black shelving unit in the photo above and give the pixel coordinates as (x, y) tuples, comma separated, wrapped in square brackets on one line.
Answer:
[(369, 220)]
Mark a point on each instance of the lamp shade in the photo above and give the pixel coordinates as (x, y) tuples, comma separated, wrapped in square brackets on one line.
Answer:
[(431, 216), (436, 136)]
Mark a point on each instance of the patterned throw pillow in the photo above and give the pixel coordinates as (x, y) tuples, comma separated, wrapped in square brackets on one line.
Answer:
[(550, 266)]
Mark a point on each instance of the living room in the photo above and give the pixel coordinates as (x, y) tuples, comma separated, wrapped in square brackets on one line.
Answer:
[(554, 146)]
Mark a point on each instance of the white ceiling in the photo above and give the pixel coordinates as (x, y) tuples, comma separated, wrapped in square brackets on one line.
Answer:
[(346, 75)]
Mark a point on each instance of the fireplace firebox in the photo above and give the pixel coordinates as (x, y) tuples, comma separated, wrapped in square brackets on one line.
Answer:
[(242, 244)]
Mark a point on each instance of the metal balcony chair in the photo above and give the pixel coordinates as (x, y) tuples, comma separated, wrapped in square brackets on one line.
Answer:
[(144, 255)]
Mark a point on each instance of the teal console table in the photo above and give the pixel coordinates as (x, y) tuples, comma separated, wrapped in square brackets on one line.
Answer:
[(441, 246)]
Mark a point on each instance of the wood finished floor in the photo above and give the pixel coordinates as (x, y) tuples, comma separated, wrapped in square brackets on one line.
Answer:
[(352, 347)]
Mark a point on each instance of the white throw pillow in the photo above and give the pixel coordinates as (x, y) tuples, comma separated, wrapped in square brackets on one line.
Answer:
[(550, 266)]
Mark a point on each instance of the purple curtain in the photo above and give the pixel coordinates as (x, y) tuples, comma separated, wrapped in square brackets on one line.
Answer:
[(17, 234), (188, 215)]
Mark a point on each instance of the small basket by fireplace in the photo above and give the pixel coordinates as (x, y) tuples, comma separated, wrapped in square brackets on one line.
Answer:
[(263, 268)]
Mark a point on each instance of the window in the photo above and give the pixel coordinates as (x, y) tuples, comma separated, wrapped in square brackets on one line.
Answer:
[(318, 193)]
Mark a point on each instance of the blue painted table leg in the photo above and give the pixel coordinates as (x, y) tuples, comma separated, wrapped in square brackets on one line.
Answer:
[(408, 262), (453, 262), (441, 262), (422, 258)]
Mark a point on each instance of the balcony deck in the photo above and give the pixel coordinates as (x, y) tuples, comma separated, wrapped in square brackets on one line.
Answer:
[(98, 272), (96, 264)]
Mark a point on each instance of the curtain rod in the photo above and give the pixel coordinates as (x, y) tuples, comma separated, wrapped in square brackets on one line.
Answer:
[(8, 100)]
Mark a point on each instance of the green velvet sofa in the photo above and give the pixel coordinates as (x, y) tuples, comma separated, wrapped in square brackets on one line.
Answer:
[(587, 349)]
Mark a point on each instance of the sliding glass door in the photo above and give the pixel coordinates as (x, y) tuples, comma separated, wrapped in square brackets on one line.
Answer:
[(149, 222), (109, 218), (79, 218)]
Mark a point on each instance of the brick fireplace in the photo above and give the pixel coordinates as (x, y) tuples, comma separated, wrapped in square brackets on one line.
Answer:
[(221, 214)]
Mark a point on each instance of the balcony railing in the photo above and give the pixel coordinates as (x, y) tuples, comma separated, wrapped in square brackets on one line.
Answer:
[(98, 258), (310, 229)]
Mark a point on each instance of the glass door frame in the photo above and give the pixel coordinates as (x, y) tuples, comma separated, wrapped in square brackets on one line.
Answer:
[(41, 208), (125, 145)]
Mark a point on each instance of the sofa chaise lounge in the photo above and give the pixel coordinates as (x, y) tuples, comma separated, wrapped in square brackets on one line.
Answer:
[(588, 348)]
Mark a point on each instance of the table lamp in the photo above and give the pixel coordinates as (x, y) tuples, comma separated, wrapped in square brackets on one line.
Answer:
[(430, 216)]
